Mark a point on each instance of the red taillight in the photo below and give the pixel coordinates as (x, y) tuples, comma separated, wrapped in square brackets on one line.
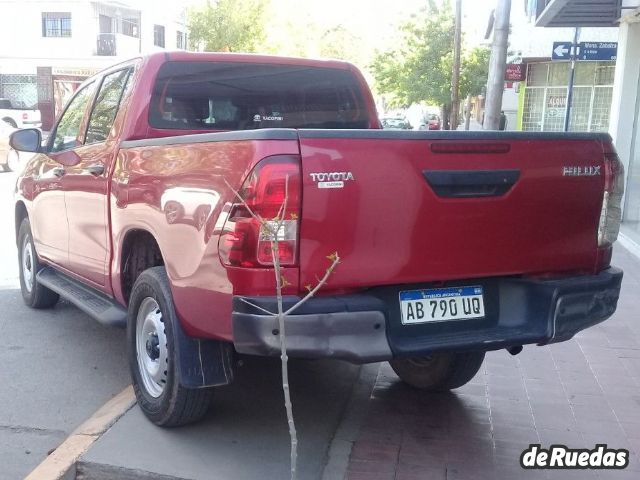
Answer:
[(244, 241), (25, 116)]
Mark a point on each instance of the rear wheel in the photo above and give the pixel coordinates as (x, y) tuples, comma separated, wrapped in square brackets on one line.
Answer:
[(438, 372), (33, 294), (10, 121), (152, 355)]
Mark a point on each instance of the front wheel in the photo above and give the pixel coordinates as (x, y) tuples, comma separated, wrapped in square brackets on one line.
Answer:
[(152, 355), (438, 372), (34, 294)]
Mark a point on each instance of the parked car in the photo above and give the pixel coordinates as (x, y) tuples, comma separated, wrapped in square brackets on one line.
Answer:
[(19, 117), (451, 243), (8, 156), (395, 123), (431, 122)]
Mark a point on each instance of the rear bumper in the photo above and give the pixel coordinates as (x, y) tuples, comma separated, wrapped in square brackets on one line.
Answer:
[(366, 327)]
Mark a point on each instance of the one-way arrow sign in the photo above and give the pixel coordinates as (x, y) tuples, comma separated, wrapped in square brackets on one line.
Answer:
[(561, 51)]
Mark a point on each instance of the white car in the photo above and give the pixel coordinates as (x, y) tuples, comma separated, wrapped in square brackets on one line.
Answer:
[(189, 205), (19, 117)]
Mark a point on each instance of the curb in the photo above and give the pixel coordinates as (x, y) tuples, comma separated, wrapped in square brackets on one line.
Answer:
[(60, 464), (349, 428)]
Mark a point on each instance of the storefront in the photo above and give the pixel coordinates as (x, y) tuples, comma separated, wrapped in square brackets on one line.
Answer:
[(624, 117), (545, 97)]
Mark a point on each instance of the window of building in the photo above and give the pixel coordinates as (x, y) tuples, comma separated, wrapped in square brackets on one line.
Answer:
[(545, 96), (56, 24), (130, 27), (106, 106), (181, 40), (158, 35)]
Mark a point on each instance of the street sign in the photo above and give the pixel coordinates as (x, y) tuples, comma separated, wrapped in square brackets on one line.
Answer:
[(561, 51), (515, 72), (603, 51), (598, 51)]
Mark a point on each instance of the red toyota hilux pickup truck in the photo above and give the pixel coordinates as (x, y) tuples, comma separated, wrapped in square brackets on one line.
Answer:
[(451, 243)]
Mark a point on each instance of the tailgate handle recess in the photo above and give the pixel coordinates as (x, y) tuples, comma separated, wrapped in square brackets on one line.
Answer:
[(471, 183)]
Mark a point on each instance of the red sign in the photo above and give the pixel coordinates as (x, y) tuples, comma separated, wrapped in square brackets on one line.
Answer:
[(515, 72)]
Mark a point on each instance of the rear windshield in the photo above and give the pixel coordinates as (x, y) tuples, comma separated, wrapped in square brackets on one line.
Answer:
[(238, 96)]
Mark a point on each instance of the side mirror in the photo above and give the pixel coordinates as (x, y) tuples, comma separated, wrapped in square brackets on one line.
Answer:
[(27, 140)]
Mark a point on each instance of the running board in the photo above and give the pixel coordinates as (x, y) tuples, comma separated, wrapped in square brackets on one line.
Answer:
[(95, 304)]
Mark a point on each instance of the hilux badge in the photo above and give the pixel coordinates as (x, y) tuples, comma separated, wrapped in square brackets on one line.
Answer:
[(575, 171), (331, 179)]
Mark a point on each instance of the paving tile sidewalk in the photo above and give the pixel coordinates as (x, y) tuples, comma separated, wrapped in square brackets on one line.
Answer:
[(578, 393)]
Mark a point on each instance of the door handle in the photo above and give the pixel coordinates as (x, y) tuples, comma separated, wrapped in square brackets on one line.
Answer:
[(58, 171), (97, 169)]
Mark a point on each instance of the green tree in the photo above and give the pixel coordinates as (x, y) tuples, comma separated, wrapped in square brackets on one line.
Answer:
[(339, 43), (228, 25), (420, 68), (474, 71)]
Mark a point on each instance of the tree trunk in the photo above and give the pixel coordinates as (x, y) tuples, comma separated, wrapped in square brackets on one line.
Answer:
[(446, 117)]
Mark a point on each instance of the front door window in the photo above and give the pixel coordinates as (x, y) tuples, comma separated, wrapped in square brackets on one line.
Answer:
[(67, 133)]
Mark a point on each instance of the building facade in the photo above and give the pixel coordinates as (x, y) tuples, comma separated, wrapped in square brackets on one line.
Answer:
[(48, 47), (624, 125), (538, 102), (544, 96)]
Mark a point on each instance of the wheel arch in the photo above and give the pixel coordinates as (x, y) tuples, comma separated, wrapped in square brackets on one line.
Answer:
[(140, 250), (20, 214), (10, 121)]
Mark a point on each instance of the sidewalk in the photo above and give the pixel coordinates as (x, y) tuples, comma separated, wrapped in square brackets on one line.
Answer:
[(473, 125), (364, 424), (578, 393)]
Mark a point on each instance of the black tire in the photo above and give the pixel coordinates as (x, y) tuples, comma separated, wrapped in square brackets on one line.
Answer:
[(439, 372), (10, 121), (33, 294), (175, 405)]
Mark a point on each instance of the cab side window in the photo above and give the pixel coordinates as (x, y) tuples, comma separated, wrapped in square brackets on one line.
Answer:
[(106, 106), (68, 130)]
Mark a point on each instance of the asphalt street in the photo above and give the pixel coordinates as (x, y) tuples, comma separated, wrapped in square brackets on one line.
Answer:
[(57, 367)]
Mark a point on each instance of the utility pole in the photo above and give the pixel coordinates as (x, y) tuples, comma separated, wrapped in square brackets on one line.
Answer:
[(497, 66), (455, 77), (572, 73)]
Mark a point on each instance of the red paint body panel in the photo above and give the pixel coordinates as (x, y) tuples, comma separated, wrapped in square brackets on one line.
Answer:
[(390, 227), (147, 179)]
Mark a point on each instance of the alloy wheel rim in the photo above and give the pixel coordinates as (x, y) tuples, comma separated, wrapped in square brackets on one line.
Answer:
[(151, 347)]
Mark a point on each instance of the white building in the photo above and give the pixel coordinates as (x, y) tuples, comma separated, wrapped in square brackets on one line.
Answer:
[(532, 104), (61, 42)]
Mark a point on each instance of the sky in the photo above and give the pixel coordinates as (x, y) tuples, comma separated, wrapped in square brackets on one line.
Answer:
[(376, 21)]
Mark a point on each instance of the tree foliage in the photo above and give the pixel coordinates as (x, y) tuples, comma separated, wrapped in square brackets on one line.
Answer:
[(228, 25), (420, 68)]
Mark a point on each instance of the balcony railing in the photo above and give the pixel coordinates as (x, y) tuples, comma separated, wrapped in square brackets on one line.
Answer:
[(117, 44)]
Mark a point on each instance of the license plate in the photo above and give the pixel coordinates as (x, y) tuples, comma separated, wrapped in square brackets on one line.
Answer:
[(440, 304)]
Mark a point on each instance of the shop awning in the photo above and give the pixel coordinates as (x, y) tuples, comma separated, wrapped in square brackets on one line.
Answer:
[(578, 13)]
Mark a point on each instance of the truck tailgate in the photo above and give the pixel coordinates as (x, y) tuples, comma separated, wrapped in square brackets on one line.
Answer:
[(404, 207)]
